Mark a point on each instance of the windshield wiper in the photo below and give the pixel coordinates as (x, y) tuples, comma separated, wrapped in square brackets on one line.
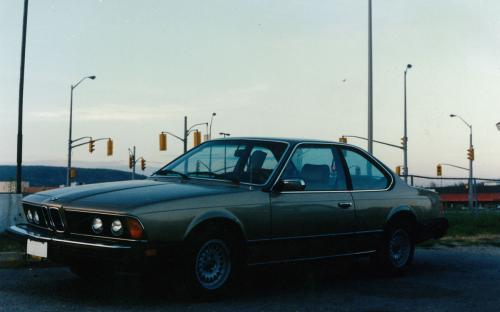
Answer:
[(231, 178), (168, 171)]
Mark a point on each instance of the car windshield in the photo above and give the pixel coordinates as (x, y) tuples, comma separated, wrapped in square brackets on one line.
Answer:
[(245, 161)]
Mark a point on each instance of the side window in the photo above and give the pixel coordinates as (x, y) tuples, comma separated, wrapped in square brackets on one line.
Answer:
[(259, 166), (365, 175), (319, 166)]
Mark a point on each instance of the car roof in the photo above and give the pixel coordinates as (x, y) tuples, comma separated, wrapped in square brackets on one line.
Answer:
[(278, 139)]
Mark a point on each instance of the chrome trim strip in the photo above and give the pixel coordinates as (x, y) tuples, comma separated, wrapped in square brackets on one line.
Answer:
[(110, 238), (36, 236), (338, 191), (315, 236), (313, 258)]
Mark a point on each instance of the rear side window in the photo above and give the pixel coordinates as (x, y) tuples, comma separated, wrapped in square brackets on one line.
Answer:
[(365, 174), (320, 167)]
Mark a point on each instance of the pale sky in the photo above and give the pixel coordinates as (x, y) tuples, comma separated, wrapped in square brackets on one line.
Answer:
[(267, 68)]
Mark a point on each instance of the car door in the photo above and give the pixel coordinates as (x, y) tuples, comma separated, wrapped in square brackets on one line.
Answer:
[(319, 220), (371, 184)]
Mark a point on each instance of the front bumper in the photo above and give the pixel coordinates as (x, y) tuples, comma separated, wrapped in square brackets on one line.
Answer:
[(69, 249)]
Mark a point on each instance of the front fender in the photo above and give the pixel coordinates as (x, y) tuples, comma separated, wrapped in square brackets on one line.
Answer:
[(219, 215)]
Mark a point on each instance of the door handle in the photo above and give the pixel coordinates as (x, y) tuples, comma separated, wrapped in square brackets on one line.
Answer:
[(345, 205)]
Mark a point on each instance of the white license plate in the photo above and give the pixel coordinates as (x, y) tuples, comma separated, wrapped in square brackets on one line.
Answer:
[(35, 248)]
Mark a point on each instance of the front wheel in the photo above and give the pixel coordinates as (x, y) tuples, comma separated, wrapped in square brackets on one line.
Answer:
[(210, 266), (397, 250)]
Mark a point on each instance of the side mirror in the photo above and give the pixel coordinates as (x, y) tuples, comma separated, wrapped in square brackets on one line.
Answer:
[(288, 185)]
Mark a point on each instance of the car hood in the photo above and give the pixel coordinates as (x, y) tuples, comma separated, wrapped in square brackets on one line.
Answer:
[(127, 195)]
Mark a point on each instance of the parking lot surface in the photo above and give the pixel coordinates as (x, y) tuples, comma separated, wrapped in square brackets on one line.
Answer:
[(442, 279)]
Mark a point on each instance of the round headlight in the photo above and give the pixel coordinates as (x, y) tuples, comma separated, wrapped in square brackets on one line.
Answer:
[(36, 218), (117, 228), (97, 226), (29, 216)]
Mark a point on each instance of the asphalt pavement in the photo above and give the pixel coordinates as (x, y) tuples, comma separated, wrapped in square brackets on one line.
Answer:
[(442, 279)]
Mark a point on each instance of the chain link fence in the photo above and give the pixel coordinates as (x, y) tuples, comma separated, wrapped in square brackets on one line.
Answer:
[(454, 190)]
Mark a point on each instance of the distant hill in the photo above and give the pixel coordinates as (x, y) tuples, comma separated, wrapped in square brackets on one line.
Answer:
[(55, 176)]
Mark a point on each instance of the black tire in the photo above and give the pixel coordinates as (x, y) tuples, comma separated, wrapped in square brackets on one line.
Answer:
[(90, 272), (211, 264), (395, 255)]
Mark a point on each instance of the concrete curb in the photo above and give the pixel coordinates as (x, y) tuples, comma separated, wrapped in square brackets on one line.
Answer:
[(17, 259), (12, 259)]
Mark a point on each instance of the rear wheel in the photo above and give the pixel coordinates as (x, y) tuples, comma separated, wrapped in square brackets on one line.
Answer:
[(397, 250)]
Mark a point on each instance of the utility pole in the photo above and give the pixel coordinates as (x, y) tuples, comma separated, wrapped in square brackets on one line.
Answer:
[(370, 81), (19, 172)]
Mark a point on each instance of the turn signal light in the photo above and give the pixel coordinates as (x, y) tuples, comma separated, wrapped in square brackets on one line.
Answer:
[(135, 228)]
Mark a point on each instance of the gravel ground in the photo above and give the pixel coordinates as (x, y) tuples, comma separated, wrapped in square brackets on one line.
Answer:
[(444, 279)]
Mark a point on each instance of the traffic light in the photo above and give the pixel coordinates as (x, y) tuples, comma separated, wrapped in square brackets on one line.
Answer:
[(163, 141), (343, 139), (72, 173), (398, 170), (197, 138), (439, 170), (143, 164), (470, 153), (131, 161), (109, 146), (403, 141), (91, 146)]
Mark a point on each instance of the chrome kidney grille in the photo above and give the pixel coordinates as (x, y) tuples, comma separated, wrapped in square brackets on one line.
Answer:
[(49, 217)]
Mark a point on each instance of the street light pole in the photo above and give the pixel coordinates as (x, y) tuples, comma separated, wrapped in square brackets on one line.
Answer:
[(224, 134), (211, 121), (19, 172), (370, 82), (471, 175), (70, 138), (185, 141), (405, 136)]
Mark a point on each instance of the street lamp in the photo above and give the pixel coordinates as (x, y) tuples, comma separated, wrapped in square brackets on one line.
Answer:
[(370, 80), (211, 121), (73, 87), (405, 136), (224, 134), (471, 158)]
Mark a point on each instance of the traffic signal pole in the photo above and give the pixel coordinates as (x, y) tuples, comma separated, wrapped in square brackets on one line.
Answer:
[(185, 141), (187, 131), (68, 170), (471, 159), (70, 140), (470, 156), (133, 167), (405, 135), (71, 147)]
